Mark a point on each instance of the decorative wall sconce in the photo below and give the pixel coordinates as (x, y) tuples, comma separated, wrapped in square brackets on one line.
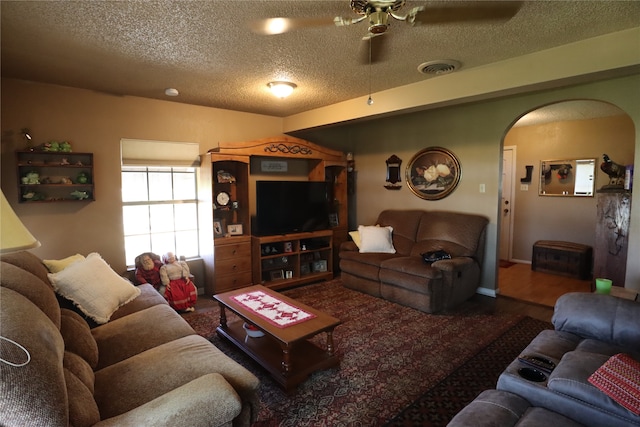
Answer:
[(393, 173), (529, 174)]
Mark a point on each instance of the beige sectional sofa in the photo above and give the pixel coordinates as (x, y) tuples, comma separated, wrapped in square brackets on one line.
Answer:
[(402, 276), (145, 366)]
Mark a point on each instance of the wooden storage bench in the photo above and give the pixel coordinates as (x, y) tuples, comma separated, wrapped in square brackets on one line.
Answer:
[(564, 258)]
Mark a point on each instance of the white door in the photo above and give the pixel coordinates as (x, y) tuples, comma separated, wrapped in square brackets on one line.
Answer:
[(506, 203)]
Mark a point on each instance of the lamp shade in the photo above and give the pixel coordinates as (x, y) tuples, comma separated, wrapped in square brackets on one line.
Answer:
[(14, 236)]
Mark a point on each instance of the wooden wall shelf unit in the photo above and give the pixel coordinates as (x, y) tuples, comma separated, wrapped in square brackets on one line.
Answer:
[(61, 176), (237, 260), (292, 259)]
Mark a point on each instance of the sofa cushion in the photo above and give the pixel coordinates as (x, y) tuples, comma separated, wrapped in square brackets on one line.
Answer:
[(77, 337), (570, 378), (453, 249), (207, 400), (410, 265), (405, 225), (376, 239), (148, 297), (83, 410), (466, 231), (80, 368), (137, 332), (596, 346), (57, 265), (29, 262), (497, 408), (33, 394), (30, 286), (613, 320), (94, 287), (126, 385)]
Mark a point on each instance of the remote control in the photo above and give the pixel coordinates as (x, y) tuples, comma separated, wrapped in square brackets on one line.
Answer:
[(538, 362)]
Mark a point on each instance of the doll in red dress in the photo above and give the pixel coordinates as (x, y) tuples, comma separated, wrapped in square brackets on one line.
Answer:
[(180, 291)]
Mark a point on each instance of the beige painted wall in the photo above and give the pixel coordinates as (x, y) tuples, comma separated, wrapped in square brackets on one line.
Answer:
[(475, 133), (95, 122), (571, 219)]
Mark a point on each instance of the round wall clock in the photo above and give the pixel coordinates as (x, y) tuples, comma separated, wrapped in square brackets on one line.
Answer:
[(223, 198)]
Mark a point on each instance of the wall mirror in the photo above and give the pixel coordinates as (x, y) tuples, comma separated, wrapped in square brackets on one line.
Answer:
[(567, 177)]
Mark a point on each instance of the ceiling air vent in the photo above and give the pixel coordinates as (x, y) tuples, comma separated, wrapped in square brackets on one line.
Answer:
[(440, 66)]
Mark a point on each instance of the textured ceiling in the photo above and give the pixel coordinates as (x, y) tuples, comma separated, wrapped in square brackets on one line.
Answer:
[(206, 49)]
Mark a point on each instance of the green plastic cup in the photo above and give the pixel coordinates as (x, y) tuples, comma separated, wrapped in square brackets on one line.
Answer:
[(603, 286)]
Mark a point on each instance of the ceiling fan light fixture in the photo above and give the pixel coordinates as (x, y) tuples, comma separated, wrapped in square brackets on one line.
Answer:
[(281, 89), (379, 22), (439, 66)]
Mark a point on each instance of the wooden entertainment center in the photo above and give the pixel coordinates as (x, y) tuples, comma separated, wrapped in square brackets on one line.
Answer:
[(276, 261)]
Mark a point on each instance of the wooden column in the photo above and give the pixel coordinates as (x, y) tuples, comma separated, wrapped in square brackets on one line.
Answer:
[(612, 236)]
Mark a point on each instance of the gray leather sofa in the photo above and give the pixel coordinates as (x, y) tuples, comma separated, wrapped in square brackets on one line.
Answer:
[(588, 330), (403, 277)]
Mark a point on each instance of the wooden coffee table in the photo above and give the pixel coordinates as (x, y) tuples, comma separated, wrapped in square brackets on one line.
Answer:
[(285, 352)]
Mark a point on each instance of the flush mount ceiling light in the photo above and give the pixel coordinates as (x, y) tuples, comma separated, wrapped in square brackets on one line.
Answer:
[(171, 91), (281, 89)]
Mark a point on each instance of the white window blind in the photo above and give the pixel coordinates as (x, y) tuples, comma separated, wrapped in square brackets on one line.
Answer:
[(138, 152)]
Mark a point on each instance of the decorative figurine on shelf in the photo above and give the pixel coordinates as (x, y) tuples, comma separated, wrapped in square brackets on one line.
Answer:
[(79, 195), (225, 177), (55, 147), (179, 290), (32, 196), (31, 178), (82, 178), (615, 171), (148, 267)]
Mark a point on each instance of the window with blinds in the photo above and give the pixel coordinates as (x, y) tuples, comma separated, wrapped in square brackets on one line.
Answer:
[(159, 198)]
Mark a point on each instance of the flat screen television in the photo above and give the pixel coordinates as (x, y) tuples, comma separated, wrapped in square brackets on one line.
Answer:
[(291, 207)]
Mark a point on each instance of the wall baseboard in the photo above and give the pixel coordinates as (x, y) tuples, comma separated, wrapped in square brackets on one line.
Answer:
[(486, 292)]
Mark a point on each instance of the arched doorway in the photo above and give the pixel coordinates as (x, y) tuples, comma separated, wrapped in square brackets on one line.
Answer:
[(575, 129)]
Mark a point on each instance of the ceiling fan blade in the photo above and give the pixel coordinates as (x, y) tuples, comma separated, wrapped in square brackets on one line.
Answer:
[(273, 26), (468, 11), (339, 21), (378, 48)]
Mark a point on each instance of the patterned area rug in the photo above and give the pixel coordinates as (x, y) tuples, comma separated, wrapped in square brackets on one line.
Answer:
[(398, 366)]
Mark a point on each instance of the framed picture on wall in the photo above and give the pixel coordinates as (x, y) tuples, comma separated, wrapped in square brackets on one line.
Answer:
[(433, 173)]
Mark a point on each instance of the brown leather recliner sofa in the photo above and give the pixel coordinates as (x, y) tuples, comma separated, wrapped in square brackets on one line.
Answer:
[(404, 277)]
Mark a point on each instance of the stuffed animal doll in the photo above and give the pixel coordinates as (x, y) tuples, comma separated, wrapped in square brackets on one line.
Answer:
[(180, 291), (148, 270)]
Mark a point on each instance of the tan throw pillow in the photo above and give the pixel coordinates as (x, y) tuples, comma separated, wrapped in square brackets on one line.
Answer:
[(355, 236), (57, 265), (376, 239), (94, 287)]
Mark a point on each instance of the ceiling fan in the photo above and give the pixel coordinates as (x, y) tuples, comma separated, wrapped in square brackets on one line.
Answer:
[(381, 13)]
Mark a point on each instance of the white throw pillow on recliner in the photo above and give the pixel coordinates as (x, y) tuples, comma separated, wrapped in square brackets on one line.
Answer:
[(376, 239), (94, 287)]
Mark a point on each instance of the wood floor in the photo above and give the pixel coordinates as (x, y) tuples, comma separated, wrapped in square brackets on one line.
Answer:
[(520, 282)]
